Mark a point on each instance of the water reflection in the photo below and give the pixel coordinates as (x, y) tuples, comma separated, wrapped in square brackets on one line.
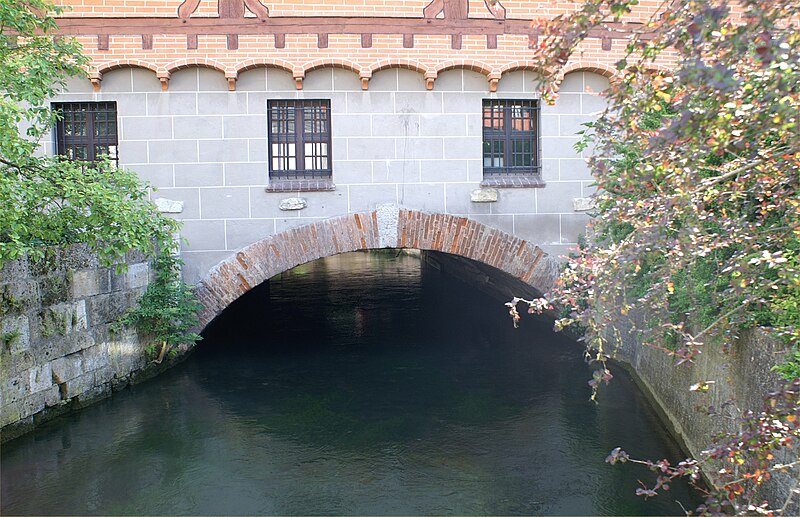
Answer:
[(353, 385)]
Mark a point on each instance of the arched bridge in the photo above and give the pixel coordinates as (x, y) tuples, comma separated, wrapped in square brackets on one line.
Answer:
[(389, 226)]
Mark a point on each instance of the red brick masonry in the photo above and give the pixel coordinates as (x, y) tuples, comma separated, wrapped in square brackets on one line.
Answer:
[(405, 229)]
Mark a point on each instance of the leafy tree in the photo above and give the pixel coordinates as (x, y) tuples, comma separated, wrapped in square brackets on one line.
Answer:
[(697, 160), (47, 200), (51, 201)]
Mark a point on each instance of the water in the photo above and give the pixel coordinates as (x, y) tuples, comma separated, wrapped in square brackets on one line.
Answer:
[(353, 385)]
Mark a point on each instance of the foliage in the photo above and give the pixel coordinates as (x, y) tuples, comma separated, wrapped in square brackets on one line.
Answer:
[(697, 160), (168, 310), (47, 200)]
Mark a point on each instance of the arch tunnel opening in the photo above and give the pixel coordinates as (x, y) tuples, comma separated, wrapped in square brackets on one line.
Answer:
[(417, 271), (407, 364), (360, 384)]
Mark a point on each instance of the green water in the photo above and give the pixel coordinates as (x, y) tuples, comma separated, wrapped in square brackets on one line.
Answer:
[(354, 385)]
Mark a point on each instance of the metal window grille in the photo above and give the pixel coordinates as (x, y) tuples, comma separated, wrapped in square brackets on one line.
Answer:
[(299, 139), (87, 130), (510, 138)]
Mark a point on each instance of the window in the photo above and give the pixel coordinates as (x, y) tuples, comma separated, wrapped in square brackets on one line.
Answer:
[(87, 130), (299, 139), (510, 139)]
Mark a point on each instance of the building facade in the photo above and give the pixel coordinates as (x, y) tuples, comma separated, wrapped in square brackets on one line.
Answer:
[(252, 119)]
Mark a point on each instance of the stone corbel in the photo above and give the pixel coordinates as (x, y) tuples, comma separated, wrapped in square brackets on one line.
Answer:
[(231, 77), (96, 78), (430, 77), (365, 77), (494, 78), (163, 77), (298, 80)]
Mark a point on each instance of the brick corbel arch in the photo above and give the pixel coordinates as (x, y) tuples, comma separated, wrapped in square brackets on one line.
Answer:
[(389, 226)]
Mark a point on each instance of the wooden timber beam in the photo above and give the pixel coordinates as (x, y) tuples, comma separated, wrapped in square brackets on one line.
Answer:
[(281, 26)]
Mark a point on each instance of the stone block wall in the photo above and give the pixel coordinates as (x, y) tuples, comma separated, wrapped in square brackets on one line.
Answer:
[(741, 378), (57, 349), (207, 148)]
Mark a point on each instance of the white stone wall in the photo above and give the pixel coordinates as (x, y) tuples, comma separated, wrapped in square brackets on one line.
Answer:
[(202, 145)]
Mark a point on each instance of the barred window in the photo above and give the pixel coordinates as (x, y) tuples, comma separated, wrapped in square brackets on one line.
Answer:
[(86, 130), (510, 138), (299, 139)]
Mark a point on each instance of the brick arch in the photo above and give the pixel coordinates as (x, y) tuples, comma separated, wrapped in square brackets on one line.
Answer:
[(332, 63), (127, 63), (516, 66), (202, 63), (407, 64), (280, 64), (389, 226), (467, 64), (606, 70)]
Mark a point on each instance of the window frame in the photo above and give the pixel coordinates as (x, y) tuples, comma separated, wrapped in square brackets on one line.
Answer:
[(67, 115), (508, 138), (301, 110)]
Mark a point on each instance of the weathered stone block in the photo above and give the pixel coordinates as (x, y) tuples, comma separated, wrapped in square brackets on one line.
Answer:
[(80, 385), (56, 259), (78, 320), (94, 358), (14, 270), (125, 353), (103, 375), (32, 404), (18, 296), (51, 396), (106, 308), (483, 195), (54, 321), (138, 275), (293, 203), (68, 367), (9, 414), (40, 377), (14, 390), (15, 333), (65, 345), (90, 282), (54, 289), (583, 204), (17, 363)]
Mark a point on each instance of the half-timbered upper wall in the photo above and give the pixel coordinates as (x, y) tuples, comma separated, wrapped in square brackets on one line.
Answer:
[(521, 9)]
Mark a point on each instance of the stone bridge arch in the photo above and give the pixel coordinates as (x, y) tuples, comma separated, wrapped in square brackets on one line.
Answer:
[(389, 226)]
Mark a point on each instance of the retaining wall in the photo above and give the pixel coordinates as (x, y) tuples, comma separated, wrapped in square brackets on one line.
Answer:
[(57, 350), (741, 378)]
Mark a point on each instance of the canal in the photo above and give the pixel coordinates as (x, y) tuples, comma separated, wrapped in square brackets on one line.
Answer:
[(360, 384)]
